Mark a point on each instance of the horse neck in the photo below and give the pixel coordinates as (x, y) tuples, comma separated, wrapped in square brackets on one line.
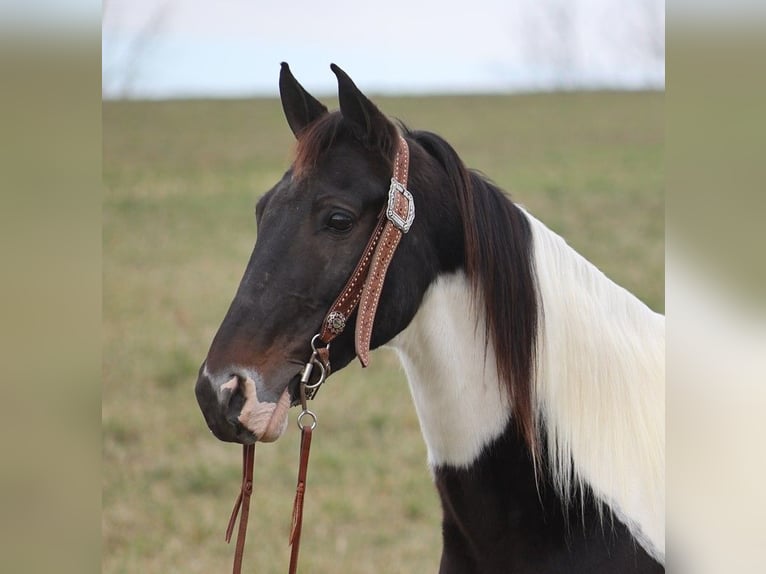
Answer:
[(460, 402), (599, 384)]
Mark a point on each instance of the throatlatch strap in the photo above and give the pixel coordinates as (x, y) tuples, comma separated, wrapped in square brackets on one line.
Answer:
[(243, 502), (300, 495)]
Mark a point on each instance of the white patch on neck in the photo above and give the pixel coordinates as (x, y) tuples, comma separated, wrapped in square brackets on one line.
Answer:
[(600, 388), (461, 405)]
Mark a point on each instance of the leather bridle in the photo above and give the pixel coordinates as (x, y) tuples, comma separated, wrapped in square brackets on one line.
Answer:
[(362, 290)]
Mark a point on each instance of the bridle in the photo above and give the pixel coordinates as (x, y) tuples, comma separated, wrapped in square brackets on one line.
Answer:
[(362, 291)]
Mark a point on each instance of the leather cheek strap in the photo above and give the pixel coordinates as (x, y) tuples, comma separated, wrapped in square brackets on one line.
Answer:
[(400, 210), (341, 310), (373, 287), (364, 287)]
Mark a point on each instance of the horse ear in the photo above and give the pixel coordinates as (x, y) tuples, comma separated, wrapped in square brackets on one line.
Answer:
[(301, 108), (368, 120)]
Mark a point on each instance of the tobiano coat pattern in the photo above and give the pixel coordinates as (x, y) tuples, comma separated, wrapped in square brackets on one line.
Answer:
[(538, 382)]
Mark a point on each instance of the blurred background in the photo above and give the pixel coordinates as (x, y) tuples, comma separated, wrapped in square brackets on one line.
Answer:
[(181, 48), (560, 102)]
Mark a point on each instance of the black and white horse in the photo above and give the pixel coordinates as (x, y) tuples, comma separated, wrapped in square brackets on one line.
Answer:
[(538, 382)]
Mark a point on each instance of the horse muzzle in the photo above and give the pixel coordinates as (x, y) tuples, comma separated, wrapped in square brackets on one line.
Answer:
[(238, 409)]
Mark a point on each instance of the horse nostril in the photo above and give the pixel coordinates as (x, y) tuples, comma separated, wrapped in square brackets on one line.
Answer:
[(212, 398), (233, 403), (221, 404)]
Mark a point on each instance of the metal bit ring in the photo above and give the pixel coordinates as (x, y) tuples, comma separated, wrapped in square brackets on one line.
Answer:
[(313, 419), (322, 374)]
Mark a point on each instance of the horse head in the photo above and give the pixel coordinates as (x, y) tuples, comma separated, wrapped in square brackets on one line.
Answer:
[(313, 226)]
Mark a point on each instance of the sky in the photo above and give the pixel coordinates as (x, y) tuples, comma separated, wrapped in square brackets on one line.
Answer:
[(231, 48)]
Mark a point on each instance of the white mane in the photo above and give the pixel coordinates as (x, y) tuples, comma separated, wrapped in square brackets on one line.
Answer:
[(600, 388)]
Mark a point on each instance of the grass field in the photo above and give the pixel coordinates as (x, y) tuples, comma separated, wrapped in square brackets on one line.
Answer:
[(180, 183)]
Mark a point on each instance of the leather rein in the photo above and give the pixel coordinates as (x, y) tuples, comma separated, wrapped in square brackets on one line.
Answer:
[(362, 290)]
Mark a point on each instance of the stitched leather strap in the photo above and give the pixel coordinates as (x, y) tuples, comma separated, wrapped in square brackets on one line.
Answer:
[(399, 215), (300, 496), (243, 502), (336, 319), (368, 304), (366, 282)]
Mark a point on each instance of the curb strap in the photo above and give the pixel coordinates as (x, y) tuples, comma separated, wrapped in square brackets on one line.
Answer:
[(243, 502), (300, 491), (366, 282)]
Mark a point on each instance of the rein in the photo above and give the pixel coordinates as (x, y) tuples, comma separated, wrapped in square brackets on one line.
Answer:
[(362, 290)]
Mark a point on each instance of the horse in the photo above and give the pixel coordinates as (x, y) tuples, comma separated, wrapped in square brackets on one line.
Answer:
[(537, 381)]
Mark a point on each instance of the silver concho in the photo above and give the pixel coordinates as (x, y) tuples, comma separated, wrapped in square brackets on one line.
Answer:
[(336, 322), (403, 224)]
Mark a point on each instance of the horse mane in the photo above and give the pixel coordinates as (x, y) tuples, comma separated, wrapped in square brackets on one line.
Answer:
[(499, 266)]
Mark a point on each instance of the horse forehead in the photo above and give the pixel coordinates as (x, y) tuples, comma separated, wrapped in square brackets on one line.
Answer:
[(345, 165), (343, 172), (338, 180), (289, 194)]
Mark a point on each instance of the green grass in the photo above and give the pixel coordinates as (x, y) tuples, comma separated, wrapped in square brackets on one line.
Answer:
[(180, 182)]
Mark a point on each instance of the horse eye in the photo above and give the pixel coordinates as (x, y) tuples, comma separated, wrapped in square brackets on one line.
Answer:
[(340, 222)]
